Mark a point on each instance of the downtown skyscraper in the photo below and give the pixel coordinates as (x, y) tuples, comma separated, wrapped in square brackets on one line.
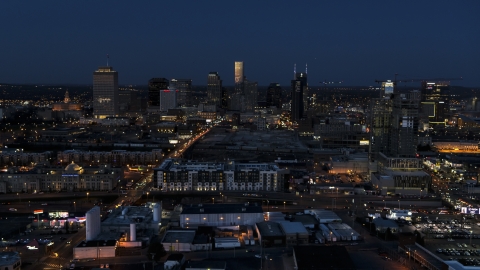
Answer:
[(105, 93), (184, 87), (239, 77), (298, 86), (155, 85), (274, 95), (214, 89)]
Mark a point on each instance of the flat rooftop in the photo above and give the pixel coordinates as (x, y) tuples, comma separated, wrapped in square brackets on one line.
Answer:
[(292, 227), (124, 216), (186, 236), (221, 208), (322, 257), (97, 243), (8, 257), (269, 228)]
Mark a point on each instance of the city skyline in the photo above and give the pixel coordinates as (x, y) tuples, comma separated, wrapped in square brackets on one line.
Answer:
[(355, 43)]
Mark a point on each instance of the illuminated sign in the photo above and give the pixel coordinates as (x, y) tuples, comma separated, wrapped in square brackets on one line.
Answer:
[(38, 211), (58, 214), (366, 142), (470, 210), (31, 247)]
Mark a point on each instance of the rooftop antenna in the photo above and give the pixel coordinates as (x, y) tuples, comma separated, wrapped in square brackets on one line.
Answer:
[(306, 68), (107, 60), (294, 71)]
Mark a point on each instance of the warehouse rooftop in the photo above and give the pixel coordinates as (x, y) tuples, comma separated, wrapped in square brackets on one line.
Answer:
[(221, 208)]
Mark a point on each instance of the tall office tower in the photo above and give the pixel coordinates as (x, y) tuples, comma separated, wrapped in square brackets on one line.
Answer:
[(168, 99), (435, 102), (105, 92), (297, 108), (184, 87), (303, 77), (274, 95), (155, 85), (239, 77), (214, 89), (251, 95), (380, 122), (404, 124), (225, 98)]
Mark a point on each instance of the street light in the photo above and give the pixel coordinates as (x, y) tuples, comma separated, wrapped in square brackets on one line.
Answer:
[(213, 199), (147, 196), (398, 204), (384, 204), (87, 196), (283, 205)]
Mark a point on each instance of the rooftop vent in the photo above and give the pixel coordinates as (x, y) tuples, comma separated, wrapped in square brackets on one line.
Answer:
[(202, 210), (244, 209), (200, 205)]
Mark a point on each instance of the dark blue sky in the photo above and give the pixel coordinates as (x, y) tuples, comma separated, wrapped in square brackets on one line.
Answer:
[(353, 41)]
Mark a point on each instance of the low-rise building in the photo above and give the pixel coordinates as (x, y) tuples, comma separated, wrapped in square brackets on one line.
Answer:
[(220, 215), (10, 260), (295, 233), (270, 233)]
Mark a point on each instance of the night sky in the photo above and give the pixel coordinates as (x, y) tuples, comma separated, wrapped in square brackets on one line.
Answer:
[(352, 41)]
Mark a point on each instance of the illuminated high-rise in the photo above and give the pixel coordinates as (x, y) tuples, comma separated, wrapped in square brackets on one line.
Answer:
[(214, 89), (435, 107), (105, 93), (239, 77), (184, 87)]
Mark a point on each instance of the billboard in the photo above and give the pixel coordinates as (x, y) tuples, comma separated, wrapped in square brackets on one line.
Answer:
[(388, 87), (38, 211), (470, 210)]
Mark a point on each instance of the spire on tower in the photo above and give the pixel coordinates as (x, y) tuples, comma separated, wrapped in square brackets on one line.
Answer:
[(294, 71), (107, 60), (306, 68)]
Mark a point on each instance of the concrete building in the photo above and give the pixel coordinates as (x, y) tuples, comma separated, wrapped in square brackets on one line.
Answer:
[(381, 225), (220, 215), (295, 233), (270, 233), (105, 92), (10, 260), (324, 216), (146, 219), (168, 99), (95, 249), (92, 221), (176, 175), (178, 240)]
